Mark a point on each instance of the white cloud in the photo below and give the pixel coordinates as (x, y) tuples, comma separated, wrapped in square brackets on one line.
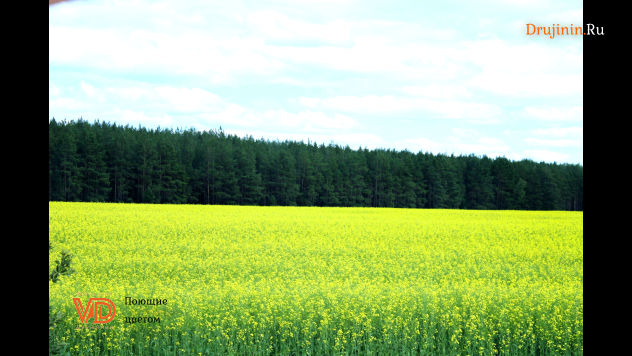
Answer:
[(120, 116), (65, 104), (323, 1), (464, 132), (510, 155), (490, 150), (420, 144), (142, 51), (399, 32), (88, 89), (530, 84), (490, 141), (387, 104), (487, 121), (554, 143), (454, 145), (91, 92), (126, 116), (182, 100), (531, 70), (566, 18), (404, 51), (53, 90), (278, 29), (546, 156), (555, 113), (314, 121), (560, 131), (133, 102), (131, 94), (190, 100), (522, 3), (438, 91), (454, 140)]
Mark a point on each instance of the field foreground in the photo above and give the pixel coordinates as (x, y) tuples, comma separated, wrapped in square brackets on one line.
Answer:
[(320, 281)]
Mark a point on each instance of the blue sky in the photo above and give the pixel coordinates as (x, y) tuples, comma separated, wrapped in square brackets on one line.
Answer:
[(451, 76)]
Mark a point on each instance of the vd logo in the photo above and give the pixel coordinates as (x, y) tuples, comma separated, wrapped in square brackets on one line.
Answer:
[(94, 310)]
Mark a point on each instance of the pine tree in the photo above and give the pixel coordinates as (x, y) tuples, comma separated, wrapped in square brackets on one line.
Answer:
[(148, 196), (249, 180), (145, 163), (478, 183), (437, 194), (504, 181), (70, 175), (286, 184), (95, 184), (103, 162)]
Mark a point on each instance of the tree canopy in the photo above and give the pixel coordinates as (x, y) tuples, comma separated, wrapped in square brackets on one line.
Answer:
[(103, 162)]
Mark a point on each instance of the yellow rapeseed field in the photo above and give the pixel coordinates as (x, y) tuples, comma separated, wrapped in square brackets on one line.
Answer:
[(320, 281)]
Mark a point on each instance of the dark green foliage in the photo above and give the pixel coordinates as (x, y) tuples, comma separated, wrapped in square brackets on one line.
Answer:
[(62, 268), (113, 163), (55, 345), (148, 196)]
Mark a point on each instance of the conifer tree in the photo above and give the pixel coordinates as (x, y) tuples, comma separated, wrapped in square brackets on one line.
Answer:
[(110, 162)]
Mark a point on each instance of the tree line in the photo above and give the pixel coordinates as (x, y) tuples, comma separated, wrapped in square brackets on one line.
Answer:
[(103, 162)]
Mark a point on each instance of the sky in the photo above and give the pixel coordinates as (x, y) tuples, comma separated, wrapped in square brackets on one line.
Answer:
[(453, 77)]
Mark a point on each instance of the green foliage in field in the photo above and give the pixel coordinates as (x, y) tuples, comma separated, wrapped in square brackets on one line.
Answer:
[(323, 281), (62, 268)]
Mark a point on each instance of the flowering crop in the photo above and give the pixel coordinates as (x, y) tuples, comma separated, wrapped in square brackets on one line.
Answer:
[(322, 281)]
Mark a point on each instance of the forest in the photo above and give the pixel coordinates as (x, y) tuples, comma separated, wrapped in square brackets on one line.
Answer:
[(104, 162)]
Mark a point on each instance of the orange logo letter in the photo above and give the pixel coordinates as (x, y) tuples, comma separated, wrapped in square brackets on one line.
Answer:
[(528, 29), (94, 310)]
